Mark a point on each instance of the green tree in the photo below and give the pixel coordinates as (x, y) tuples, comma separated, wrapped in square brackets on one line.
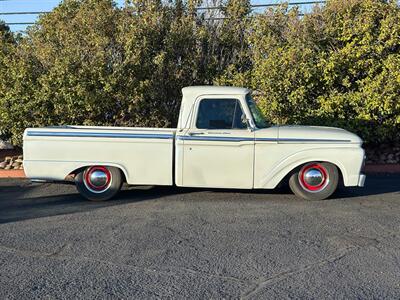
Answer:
[(7, 46), (337, 66), (232, 53), (64, 70), (360, 65), (90, 62), (161, 55), (284, 66)]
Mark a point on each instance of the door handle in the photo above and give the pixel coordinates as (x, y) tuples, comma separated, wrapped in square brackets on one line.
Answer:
[(195, 133)]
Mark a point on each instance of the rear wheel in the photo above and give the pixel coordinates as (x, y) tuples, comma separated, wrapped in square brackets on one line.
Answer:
[(99, 183), (315, 181)]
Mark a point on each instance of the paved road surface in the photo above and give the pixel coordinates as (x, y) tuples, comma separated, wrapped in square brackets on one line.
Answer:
[(186, 243)]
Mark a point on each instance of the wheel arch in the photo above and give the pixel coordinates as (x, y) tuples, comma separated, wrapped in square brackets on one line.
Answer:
[(82, 166), (298, 167)]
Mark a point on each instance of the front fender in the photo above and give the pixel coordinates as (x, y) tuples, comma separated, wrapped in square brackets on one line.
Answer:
[(349, 160)]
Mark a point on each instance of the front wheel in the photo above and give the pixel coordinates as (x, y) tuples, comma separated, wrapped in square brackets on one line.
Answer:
[(315, 181), (98, 183)]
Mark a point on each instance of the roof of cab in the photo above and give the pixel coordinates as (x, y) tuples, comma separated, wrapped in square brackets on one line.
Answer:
[(191, 93), (215, 90)]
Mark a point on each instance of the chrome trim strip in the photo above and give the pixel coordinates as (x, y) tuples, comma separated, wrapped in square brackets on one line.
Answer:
[(100, 135), (300, 140), (106, 128), (242, 139), (38, 180), (266, 139), (184, 138), (215, 138)]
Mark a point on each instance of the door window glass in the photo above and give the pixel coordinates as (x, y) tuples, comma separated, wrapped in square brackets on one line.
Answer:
[(220, 114)]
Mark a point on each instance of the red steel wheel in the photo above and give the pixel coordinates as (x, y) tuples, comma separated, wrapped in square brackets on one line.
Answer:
[(313, 177), (97, 179), (314, 180), (99, 183)]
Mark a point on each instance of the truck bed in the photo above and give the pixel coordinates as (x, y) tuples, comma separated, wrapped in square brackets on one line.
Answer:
[(145, 155)]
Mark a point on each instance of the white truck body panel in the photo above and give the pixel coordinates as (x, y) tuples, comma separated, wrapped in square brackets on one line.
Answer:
[(212, 162), (145, 155), (193, 157), (212, 156), (296, 145)]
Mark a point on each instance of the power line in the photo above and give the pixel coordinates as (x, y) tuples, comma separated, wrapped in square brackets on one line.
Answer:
[(20, 23), (21, 0), (266, 5), (23, 13), (226, 18), (198, 8)]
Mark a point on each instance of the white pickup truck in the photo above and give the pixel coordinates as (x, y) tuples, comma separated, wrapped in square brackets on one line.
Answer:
[(222, 141)]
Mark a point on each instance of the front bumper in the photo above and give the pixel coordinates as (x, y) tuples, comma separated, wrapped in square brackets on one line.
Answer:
[(361, 180)]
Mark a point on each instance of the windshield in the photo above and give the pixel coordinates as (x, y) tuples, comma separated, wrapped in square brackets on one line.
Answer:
[(258, 116)]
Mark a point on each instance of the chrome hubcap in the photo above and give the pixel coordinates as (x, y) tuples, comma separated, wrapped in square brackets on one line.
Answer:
[(313, 177), (98, 178)]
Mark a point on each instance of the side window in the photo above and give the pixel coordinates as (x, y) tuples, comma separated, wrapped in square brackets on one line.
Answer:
[(220, 114)]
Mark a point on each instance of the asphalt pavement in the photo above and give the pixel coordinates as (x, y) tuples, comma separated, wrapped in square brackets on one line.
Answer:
[(166, 242)]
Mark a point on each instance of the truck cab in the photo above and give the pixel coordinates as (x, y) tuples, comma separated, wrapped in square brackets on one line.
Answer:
[(216, 137)]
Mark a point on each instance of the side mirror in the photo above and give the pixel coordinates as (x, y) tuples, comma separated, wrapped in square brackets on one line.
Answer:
[(243, 119), (247, 122), (250, 125)]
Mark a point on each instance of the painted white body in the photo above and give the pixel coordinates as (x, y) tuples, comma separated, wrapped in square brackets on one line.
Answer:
[(187, 156)]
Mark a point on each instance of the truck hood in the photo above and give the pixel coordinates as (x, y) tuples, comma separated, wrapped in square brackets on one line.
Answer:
[(318, 134)]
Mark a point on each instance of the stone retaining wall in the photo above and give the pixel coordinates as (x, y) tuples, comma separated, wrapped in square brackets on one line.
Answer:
[(12, 163)]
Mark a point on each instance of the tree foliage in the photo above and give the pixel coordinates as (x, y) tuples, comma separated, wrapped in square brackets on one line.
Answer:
[(90, 62), (338, 66)]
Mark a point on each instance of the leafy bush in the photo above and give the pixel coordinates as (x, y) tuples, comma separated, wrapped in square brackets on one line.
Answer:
[(89, 62), (338, 66)]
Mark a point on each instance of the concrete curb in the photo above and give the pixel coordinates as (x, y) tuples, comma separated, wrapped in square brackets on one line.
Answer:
[(12, 174)]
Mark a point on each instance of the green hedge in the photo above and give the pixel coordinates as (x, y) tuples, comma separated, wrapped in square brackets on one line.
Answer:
[(89, 62)]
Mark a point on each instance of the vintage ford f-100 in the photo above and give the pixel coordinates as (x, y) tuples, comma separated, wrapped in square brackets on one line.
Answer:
[(222, 141)]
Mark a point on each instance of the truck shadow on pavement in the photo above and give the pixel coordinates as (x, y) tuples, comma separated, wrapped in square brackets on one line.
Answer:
[(375, 185), (29, 201), (20, 200)]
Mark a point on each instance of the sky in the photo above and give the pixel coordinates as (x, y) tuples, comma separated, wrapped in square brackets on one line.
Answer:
[(48, 5)]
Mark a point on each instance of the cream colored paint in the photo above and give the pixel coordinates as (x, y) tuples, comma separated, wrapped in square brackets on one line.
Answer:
[(213, 163), (253, 163), (219, 164), (144, 161), (274, 161)]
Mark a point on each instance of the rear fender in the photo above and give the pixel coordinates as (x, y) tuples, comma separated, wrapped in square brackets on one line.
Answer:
[(85, 165), (60, 170)]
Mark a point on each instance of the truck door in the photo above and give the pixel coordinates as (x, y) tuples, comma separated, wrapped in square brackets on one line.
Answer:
[(218, 148)]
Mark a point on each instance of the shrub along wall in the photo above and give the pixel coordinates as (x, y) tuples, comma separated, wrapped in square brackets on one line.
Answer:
[(89, 62)]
